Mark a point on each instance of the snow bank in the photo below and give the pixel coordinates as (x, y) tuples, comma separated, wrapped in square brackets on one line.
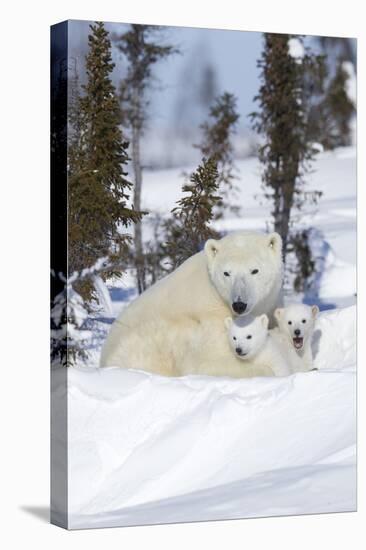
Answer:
[(147, 449)]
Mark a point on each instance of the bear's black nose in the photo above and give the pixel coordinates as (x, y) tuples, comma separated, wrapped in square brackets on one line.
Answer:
[(239, 307), (238, 351), (297, 332)]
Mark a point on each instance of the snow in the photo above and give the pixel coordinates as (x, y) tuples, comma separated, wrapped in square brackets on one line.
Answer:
[(146, 449), (149, 449), (351, 83), (351, 91), (103, 294), (318, 147), (296, 49)]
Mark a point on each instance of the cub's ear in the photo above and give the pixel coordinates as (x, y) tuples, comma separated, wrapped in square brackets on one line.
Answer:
[(228, 321), (211, 248), (264, 320), (278, 313), (314, 311), (275, 242)]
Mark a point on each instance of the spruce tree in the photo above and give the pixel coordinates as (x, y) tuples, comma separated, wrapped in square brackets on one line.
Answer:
[(99, 192), (332, 115), (336, 48), (337, 110), (305, 265), (216, 141), (70, 324), (74, 113), (189, 227), (142, 49), (69, 333), (286, 152)]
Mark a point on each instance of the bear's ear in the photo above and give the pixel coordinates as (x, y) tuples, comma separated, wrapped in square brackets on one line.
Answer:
[(314, 311), (275, 242), (211, 248), (264, 320), (228, 321), (278, 313)]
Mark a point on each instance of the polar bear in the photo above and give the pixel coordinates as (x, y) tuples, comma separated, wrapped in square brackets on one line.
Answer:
[(296, 324), (251, 341), (176, 327)]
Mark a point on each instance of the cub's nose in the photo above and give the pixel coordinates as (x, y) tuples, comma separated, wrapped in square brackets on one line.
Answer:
[(239, 307), (238, 351), (297, 332)]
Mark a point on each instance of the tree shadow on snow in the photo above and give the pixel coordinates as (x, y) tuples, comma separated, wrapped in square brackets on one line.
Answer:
[(106, 320), (321, 250), (122, 294), (117, 295)]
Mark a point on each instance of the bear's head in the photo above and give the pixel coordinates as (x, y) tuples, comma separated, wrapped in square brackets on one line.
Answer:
[(245, 268), (247, 335), (296, 322)]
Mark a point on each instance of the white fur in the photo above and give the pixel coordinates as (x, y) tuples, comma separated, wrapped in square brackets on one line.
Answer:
[(297, 321), (251, 341), (177, 326)]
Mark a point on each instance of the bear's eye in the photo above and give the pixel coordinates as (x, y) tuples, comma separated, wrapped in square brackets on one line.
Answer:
[(304, 320), (234, 337), (254, 271), (249, 336), (290, 322), (227, 274)]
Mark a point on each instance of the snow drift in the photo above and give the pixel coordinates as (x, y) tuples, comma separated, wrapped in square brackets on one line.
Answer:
[(146, 449)]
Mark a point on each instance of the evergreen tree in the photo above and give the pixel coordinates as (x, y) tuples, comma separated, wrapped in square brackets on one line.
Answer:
[(305, 264), (70, 325), (192, 102), (337, 110), (314, 86), (69, 335), (217, 142), (74, 113), (142, 49), (99, 191), (333, 114), (207, 85), (189, 227), (286, 153), (336, 48)]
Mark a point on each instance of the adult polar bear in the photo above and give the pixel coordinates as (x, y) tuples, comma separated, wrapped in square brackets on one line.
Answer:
[(177, 326)]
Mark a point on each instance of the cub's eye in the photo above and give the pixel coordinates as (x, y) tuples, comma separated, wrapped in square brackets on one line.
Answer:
[(249, 336), (304, 320), (254, 271), (234, 337), (290, 322), (227, 274)]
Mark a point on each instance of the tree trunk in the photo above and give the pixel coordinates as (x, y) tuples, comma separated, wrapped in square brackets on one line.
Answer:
[(282, 211), (281, 226), (139, 252)]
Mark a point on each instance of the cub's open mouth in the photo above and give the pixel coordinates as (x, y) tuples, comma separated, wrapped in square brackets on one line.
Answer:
[(298, 342)]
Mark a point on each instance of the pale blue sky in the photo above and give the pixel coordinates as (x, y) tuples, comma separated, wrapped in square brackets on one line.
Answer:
[(176, 108), (233, 55)]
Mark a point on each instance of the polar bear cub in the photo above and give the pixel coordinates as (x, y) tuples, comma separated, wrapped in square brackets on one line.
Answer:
[(296, 324), (251, 341)]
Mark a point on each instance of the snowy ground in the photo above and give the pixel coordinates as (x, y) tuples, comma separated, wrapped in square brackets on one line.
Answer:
[(144, 449), (148, 449)]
